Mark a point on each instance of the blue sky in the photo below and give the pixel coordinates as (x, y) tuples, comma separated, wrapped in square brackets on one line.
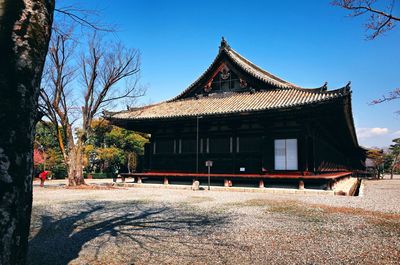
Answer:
[(304, 42)]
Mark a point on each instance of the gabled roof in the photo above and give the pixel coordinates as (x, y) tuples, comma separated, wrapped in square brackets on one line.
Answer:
[(273, 93), (253, 69), (244, 64)]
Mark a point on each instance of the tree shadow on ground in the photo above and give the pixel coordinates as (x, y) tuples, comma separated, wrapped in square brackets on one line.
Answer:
[(59, 233)]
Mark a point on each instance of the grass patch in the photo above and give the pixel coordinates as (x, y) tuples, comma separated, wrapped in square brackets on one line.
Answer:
[(251, 203), (388, 224), (303, 211), (199, 199), (387, 227), (96, 187), (389, 221)]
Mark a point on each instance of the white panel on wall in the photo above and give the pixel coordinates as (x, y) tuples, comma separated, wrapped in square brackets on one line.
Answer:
[(291, 154), (280, 154)]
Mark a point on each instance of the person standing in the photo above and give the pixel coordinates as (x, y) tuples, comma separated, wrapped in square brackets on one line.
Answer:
[(43, 177)]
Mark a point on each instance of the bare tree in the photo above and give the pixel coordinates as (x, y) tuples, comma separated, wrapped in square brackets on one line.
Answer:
[(25, 29), (55, 92), (380, 20), (102, 70)]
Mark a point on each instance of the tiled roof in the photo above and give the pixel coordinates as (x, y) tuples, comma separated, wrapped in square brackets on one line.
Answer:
[(256, 71), (226, 103), (282, 95), (244, 64)]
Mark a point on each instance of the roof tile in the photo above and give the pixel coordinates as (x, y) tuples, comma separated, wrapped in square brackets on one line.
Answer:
[(225, 103)]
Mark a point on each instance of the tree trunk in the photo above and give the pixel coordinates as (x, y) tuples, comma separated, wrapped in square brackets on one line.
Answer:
[(394, 163), (129, 164), (75, 166), (72, 157), (25, 27), (71, 165)]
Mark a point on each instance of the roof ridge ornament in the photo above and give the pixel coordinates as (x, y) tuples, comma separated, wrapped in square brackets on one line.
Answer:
[(348, 86), (224, 44), (325, 86)]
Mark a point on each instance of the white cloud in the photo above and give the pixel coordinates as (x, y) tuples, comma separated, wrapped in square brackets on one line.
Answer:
[(363, 133), (396, 134)]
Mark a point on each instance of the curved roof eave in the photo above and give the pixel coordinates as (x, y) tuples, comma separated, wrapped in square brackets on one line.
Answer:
[(246, 65)]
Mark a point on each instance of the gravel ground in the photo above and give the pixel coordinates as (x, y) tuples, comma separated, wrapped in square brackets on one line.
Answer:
[(163, 226)]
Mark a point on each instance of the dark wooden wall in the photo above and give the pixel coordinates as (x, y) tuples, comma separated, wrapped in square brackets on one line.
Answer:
[(323, 143)]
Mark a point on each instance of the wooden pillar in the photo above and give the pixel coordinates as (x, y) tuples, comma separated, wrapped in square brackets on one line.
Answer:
[(267, 155), (261, 183), (233, 134), (139, 180), (151, 152), (234, 149), (165, 181), (308, 140), (306, 152), (301, 185), (314, 152)]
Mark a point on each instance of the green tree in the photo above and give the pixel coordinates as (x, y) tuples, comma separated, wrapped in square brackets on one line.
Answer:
[(395, 156), (46, 143), (112, 158), (45, 136), (115, 147), (377, 158), (129, 142)]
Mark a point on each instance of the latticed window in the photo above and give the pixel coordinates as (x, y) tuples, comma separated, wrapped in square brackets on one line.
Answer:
[(225, 81)]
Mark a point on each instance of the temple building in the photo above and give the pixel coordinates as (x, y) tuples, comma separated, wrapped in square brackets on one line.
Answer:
[(250, 124)]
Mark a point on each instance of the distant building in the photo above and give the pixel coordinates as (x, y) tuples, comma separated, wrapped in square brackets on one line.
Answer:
[(247, 121)]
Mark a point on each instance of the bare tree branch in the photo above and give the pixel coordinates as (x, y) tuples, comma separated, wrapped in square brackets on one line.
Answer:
[(102, 71), (395, 94), (380, 21), (53, 96), (80, 16)]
